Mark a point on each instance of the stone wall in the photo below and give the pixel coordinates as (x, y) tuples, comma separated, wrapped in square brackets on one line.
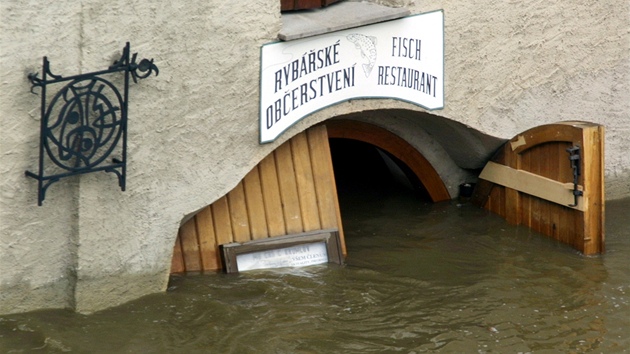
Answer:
[(193, 130)]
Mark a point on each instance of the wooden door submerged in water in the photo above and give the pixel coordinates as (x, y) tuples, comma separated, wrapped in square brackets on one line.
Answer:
[(530, 182), (291, 191), (551, 179)]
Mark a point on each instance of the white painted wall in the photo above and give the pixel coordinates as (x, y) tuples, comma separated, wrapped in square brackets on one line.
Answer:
[(193, 130)]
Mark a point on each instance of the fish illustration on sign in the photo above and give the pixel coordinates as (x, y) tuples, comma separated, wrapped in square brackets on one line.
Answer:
[(367, 45)]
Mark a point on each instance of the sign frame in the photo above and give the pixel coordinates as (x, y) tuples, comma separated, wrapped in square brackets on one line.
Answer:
[(330, 237), (401, 59)]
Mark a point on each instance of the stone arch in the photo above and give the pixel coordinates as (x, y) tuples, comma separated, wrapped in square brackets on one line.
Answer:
[(395, 145)]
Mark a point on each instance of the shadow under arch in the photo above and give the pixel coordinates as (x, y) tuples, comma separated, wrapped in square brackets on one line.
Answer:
[(395, 145)]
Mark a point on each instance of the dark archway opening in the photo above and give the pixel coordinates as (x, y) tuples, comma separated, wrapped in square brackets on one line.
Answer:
[(364, 172)]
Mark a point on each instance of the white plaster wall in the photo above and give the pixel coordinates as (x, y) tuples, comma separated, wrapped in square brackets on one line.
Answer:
[(193, 130), (511, 66), (192, 136), (37, 245)]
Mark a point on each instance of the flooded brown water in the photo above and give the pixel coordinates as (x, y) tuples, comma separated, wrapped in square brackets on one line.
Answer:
[(419, 277)]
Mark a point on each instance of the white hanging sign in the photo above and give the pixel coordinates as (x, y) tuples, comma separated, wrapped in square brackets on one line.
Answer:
[(295, 256), (401, 59)]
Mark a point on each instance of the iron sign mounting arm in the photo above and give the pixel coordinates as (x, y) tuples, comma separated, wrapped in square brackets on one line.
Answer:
[(84, 124)]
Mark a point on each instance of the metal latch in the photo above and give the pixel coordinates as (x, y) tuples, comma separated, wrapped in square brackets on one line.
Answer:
[(574, 158)]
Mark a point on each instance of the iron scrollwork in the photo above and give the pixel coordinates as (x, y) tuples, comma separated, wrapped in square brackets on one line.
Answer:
[(85, 123)]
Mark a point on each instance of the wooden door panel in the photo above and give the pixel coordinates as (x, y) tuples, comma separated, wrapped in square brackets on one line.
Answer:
[(291, 191), (305, 183), (530, 182), (271, 196), (207, 239), (288, 189), (255, 205)]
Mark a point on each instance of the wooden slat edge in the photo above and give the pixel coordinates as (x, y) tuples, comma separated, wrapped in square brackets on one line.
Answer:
[(177, 262), (207, 240)]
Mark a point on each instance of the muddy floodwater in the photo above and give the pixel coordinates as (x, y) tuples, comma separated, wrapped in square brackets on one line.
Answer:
[(419, 277)]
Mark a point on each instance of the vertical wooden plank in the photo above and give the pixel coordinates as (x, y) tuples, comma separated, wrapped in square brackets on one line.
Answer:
[(305, 182), (593, 177), (526, 210), (535, 203), (566, 218), (558, 161), (288, 189), (324, 178), (558, 157), (177, 262), (255, 205), (600, 202), (238, 214), (543, 152), (271, 196), (501, 206), (496, 200), (222, 223), (559, 226), (539, 155), (512, 197), (512, 206), (190, 246), (526, 200), (324, 184), (548, 163), (566, 224), (207, 240), (586, 163), (498, 192)]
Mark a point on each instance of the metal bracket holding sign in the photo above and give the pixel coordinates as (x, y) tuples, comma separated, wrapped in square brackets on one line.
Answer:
[(317, 247)]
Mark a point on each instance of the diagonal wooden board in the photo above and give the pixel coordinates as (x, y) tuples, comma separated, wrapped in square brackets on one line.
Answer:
[(532, 184)]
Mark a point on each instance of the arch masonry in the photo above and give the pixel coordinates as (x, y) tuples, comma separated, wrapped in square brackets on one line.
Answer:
[(395, 145)]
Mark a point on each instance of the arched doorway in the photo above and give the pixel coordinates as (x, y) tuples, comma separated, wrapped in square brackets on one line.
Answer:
[(397, 147), (292, 190)]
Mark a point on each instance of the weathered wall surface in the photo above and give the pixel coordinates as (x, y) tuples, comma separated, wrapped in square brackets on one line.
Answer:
[(193, 130), (37, 245), (192, 135), (515, 65)]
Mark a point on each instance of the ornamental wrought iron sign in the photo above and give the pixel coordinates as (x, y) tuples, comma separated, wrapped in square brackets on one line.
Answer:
[(83, 125)]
